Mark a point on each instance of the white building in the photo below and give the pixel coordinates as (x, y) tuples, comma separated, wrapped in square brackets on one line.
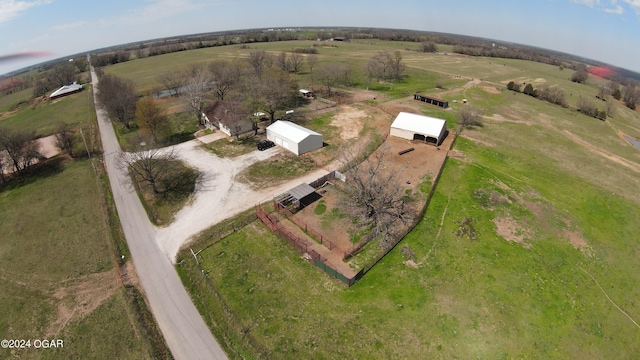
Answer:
[(294, 138), (419, 127), (68, 89)]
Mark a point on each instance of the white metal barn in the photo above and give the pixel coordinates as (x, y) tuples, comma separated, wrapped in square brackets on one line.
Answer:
[(419, 127), (293, 137)]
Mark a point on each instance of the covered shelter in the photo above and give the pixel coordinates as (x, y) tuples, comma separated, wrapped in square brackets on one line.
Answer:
[(419, 127), (431, 100), (297, 197), (293, 137), (68, 89)]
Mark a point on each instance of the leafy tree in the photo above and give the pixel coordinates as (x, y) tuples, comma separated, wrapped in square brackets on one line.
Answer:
[(428, 46), (617, 94), (150, 116), (510, 85), (580, 75), (528, 90), (631, 96)]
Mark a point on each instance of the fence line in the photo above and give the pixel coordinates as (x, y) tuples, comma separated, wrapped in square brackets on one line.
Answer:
[(306, 227)]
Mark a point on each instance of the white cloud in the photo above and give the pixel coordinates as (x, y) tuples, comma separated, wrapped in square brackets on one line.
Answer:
[(635, 5), (72, 25), (159, 9), (615, 10), (10, 9), (589, 3)]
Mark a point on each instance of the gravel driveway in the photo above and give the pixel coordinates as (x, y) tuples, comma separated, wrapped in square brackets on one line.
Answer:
[(218, 196)]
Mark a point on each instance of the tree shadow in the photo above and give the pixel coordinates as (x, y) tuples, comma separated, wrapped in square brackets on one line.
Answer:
[(40, 170)]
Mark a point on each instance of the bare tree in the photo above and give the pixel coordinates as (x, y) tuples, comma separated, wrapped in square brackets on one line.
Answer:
[(259, 60), (631, 96), (375, 196), (470, 116), (282, 61), (312, 60), (21, 148), (150, 116), (427, 46), (198, 86), (296, 60), (329, 76), (373, 71), (225, 75), (587, 107), (150, 165), (173, 81), (118, 96), (3, 162), (274, 92), (65, 138), (386, 66)]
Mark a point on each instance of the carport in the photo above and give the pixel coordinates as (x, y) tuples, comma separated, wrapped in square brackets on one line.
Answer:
[(298, 197)]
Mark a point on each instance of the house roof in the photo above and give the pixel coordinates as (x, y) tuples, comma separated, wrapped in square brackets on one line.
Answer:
[(226, 112), (66, 89), (419, 124), (291, 131)]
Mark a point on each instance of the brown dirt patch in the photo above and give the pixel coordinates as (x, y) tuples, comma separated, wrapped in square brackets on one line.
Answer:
[(606, 154), (491, 89), (411, 263), (350, 121), (508, 228), (80, 297), (578, 242)]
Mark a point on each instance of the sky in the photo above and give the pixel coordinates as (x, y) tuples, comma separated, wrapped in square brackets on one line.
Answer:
[(604, 30)]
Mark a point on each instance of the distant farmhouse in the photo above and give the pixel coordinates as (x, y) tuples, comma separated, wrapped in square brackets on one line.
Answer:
[(293, 137), (228, 116), (431, 100), (419, 127), (68, 89)]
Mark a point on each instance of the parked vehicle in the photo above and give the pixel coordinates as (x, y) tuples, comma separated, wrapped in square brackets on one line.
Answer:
[(265, 144)]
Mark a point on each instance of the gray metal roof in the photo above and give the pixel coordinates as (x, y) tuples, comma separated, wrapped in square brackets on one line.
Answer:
[(301, 191)]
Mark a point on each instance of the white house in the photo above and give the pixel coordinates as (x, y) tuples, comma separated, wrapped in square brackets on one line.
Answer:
[(228, 116), (293, 137), (419, 127)]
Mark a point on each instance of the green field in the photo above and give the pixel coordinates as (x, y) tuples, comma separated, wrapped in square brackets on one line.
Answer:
[(59, 249), (550, 270), (54, 248)]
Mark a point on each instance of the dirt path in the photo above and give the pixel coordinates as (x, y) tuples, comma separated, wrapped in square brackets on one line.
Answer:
[(604, 153)]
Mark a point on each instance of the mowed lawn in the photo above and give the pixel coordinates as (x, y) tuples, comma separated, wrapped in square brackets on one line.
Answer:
[(551, 271)]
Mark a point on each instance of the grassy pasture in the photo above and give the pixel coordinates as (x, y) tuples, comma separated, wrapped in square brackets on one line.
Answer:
[(551, 271), (55, 241), (45, 116)]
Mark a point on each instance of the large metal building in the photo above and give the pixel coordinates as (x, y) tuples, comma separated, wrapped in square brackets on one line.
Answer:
[(293, 137), (419, 127)]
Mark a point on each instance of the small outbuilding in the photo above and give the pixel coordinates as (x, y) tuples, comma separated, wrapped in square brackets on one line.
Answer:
[(68, 89), (293, 137), (306, 93), (431, 100), (419, 127)]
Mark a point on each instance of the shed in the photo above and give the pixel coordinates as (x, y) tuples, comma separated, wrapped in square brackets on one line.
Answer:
[(419, 127), (293, 137), (306, 93), (68, 89), (431, 100)]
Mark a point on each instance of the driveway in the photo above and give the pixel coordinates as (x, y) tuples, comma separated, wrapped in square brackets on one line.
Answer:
[(218, 196), (184, 330)]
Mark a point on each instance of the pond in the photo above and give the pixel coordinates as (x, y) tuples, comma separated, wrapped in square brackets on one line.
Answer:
[(632, 141)]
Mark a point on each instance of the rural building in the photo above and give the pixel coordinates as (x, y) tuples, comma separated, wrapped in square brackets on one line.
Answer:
[(68, 89), (306, 93), (294, 138), (297, 197), (419, 127), (228, 116), (431, 100)]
